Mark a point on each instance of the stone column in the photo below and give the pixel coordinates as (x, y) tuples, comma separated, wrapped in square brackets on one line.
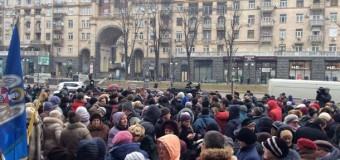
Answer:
[(318, 69), (282, 68), (96, 65)]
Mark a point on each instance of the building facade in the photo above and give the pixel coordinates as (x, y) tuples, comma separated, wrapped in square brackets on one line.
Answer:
[(277, 38)]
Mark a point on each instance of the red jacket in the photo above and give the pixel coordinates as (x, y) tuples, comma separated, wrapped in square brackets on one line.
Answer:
[(77, 104), (221, 119), (275, 112)]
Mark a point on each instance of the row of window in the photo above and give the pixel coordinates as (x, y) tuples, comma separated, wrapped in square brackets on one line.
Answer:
[(31, 2)]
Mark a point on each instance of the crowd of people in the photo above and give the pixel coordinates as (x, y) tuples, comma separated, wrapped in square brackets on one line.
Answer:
[(118, 124)]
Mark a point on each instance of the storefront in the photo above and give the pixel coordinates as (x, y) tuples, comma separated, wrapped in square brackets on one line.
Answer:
[(202, 70), (265, 69), (332, 70), (300, 70)]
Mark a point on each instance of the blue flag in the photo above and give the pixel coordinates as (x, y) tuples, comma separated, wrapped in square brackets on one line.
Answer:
[(13, 133)]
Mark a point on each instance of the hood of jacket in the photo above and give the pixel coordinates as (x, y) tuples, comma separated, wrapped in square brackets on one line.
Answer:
[(186, 110), (272, 104), (222, 115), (120, 152), (172, 145), (152, 114), (52, 120), (335, 154), (75, 125), (214, 153), (116, 118)]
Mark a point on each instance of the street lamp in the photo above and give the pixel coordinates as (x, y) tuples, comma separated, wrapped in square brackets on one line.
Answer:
[(172, 68)]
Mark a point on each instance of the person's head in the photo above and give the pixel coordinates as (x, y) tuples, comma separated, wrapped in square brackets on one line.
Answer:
[(56, 114), (58, 153), (292, 120), (143, 92), (246, 137), (169, 147), (170, 127), (185, 119), (101, 111), (122, 137), (91, 149), (248, 123), (137, 132), (165, 113), (119, 119), (73, 117), (213, 139), (102, 101), (287, 136), (324, 148), (306, 148), (95, 119), (257, 111), (81, 98), (127, 108), (321, 122), (275, 148)]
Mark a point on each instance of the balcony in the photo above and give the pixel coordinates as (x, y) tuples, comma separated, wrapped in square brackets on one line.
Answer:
[(206, 26), (266, 39), (267, 8), (316, 38), (316, 22), (58, 28), (37, 30), (267, 23), (165, 12), (306, 54), (192, 27), (166, 40), (58, 40), (206, 40), (220, 26), (220, 41), (27, 53), (58, 15), (58, 4), (317, 6)]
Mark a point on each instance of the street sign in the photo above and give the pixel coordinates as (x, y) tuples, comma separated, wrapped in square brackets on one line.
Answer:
[(44, 60)]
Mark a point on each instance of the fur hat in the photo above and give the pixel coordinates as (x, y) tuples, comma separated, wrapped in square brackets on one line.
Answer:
[(137, 130), (73, 117), (291, 118), (102, 109), (95, 116), (55, 114), (29, 114), (276, 146), (172, 125), (122, 137), (58, 153), (135, 156), (48, 106), (185, 116), (304, 143), (246, 135), (325, 116), (91, 149)]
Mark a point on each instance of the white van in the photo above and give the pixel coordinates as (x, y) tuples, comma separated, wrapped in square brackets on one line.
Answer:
[(303, 88)]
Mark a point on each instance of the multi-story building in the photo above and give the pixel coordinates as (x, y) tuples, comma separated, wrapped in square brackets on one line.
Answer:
[(277, 38)]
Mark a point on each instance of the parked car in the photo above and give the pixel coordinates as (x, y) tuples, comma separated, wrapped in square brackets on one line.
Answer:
[(71, 86)]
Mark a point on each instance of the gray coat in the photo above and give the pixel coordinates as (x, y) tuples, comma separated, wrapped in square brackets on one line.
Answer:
[(73, 134)]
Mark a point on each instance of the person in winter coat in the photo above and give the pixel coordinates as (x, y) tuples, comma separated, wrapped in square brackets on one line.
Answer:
[(169, 147), (34, 147), (166, 115), (221, 118), (84, 115), (48, 107), (123, 145), (55, 100), (171, 127), (97, 128), (186, 132), (247, 141), (306, 149), (200, 126), (234, 121), (91, 149), (79, 101), (52, 125), (326, 151), (151, 116), (293, 121), (275, 112), (119, 119), (287, 134), (273, 145), (74, 132), (132, 116), (314, 131), (101, 103)]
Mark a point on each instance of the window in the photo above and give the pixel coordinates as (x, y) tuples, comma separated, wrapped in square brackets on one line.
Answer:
[(206, 49), (250, 34), (283, 18), (28, 25), (178, 35), (315, 47), (69, 48), (282, 34), (221, 8), (152, 49), (85, 24), (48, 36), (179, 21), (300, 70), (333, 32), (141, 36), (88, 36), (58, 49), (283, 3), (8, 37), (178, 49), (207, 8), (70, 36), (48, 12), (106, 11), (220, 48), (166, 49), (179, 7), (193, 8), (48, 24), (139, 23), (299, 3), (207, 35), (70, 11), (28, 37), (37, 12), (334, 2), (83, 36), (251, 19), (236, 5), (299, 18), (236, 34), (237, 19), (85, 11), (70, 23), (298, 33), (332, 47), (333, 17), (251, 4), (220, 34), (207, 21)]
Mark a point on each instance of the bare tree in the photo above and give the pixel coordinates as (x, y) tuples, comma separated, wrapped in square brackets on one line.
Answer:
[(160, 22), (190, 24), (131, 16), (232, 28)]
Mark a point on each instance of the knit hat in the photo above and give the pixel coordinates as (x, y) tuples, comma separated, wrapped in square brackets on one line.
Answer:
[(185, 116), (324, 145), (55, 100), (247, 122), (325, 116), (277, 124), (48, 106), (116, 117), (93, 100), (127, 106), (73, 117), (137, 130), (189, 95), (291, 118), (304, 110), (85, 116), (188, 105), (315, 105), (180, 95), (122, 137), (135, 156), (95, 116), (247, 136), (58, 153), (276, 146), (89, 149), (101, 109), (165, 111), (304, 143), (300, 105), (55, 114)]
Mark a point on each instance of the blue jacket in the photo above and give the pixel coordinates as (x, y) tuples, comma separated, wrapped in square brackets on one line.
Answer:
[(203, 122), (248, 152), (120, 152)]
